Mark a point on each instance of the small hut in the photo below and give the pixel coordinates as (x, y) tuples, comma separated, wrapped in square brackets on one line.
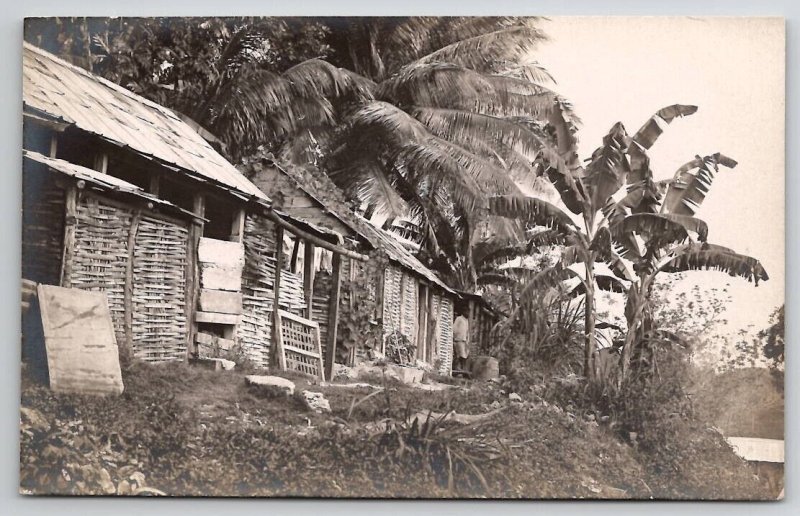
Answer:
[(393, 291), (120, 195)]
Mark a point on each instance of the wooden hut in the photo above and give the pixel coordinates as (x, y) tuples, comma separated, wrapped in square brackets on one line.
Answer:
[(120, 195), (403, 294)]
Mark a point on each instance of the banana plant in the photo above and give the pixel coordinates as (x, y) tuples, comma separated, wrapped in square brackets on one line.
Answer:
[(587, 193), (654, 226)]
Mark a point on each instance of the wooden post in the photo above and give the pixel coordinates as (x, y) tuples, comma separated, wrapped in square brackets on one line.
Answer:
[(237, 227), (276, 357), (422, 330), (70, 221), (333, 316), (295, 255), (308, 277), (128, 294), (379, 292), (471, 320), (101, 162), (193, 270), (53, 145), (155, 184), (430, 349)]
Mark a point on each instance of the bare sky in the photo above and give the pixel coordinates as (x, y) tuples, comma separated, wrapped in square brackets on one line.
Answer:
[(624, 69)]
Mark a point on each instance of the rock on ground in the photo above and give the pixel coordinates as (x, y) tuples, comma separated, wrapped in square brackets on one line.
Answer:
[(272, 383), (514, 397), (316, 401)]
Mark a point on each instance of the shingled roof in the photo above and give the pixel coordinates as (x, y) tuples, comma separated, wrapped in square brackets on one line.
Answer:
[(328, 197), (66, 93)]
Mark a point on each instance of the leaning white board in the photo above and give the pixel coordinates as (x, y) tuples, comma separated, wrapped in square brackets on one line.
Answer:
[(82, 353)]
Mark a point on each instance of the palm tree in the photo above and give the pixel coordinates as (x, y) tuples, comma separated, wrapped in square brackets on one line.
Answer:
[(459, 111)]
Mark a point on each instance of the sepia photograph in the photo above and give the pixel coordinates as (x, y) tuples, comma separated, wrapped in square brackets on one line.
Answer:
[(417, 257)]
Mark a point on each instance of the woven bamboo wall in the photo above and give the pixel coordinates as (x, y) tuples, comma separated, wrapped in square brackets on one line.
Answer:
[(392, 311), (409, 314), (43, 234), (99, 263), (258, 281), (255, 330), (320, 304), (445, 335), (159, 291), (100, 258)]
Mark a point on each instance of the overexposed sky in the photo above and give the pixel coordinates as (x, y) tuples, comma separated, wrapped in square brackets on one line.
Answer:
[(625, 69)]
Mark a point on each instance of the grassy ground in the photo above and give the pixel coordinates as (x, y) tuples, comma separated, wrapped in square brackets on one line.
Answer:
[(185, 430)]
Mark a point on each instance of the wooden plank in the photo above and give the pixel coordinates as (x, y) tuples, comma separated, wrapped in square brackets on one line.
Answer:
[(128, 292), (70, 220), (278, 330), (193, 269), (221, 301), (422, 327), (289, 347), (219, 278), (298, 319), (82, 353), (221, 253), (216, 318), (308, 276), (333, 316)]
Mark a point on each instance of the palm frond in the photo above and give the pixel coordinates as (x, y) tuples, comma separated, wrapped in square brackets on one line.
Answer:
[(530, 209), (490, 52)]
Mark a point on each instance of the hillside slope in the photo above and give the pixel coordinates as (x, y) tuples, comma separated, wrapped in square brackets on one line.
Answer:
[(744, 402)]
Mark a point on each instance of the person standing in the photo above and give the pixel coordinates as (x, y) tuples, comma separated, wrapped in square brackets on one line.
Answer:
[(460, 350)]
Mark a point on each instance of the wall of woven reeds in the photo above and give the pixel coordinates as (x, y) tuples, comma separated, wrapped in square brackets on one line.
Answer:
[(258, 281), (100, 257), (159, 321), (154, 316), (445, 334), (43, 233), (320, 304)]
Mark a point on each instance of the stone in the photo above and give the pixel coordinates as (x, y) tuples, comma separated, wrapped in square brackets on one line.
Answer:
[(407, 375), (342, 372), (515, 397), (436, 386), (35, 419), (485, 368), (273, 384), (124, 488), (316, 401), (215, 364)]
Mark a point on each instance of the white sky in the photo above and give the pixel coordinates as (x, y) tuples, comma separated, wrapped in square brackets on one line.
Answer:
[(625, 69)]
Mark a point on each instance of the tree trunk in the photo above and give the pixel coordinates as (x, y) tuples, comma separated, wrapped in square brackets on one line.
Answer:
[(588, 358)]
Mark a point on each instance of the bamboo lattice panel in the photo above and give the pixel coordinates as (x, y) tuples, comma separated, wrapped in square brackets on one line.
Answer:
[(409, 313), (255, 330), (159, 291), (300, 345), (43, 233), (100, 258), (445, 335)]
